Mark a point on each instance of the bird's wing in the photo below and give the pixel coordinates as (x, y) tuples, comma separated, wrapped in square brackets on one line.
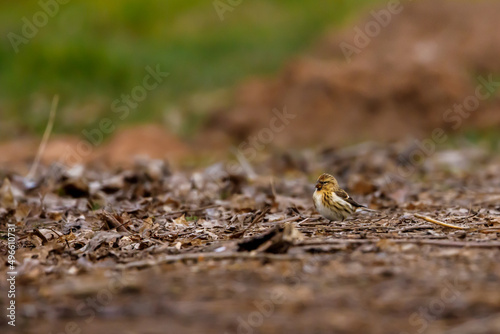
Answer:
[(345, 196)]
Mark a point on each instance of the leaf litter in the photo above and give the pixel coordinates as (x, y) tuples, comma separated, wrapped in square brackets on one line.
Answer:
[(208, 245)]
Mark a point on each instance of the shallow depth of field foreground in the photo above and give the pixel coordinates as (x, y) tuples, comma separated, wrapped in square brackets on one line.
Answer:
[(158, 161)]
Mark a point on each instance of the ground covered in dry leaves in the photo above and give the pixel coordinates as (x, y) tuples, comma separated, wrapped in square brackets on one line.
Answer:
[(150, 249)]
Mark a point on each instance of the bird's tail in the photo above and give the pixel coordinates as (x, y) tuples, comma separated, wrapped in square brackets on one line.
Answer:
[(364, 208)]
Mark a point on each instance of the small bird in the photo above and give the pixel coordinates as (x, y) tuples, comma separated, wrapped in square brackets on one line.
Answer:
[(331, 201)]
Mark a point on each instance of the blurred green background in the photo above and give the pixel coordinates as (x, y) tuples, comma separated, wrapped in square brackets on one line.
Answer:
[(93, 51)]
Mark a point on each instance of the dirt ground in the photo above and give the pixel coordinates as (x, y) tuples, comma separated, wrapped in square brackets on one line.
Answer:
[(118, 244), (154, 250)]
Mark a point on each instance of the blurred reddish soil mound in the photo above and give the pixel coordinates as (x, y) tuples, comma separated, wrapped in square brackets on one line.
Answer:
[(151, 141), (401, 84)]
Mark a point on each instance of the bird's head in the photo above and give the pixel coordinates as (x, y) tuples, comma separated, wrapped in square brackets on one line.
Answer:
[(327, 182)]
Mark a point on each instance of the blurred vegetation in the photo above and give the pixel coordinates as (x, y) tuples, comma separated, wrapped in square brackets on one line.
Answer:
[(91, 52)]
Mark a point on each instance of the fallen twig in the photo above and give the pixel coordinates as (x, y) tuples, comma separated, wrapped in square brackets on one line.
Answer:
[(445, 243), (286, 220), (256, 219), (209, 256), (336, 242), (450, 243), (111, 223), (434, 221), (36, 232), (59, 235), (192, 210), (412, 228)]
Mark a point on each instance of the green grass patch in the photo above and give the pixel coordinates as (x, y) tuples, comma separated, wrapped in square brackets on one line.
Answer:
[(92, 52)]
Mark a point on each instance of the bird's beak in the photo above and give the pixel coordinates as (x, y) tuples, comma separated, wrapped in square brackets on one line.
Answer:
[(318, 186)]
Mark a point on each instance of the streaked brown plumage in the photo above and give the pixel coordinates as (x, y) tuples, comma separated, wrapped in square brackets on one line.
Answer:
[(331, 201)]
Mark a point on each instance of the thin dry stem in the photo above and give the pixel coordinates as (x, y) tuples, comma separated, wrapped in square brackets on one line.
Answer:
[(45, 138), (434, 221)]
